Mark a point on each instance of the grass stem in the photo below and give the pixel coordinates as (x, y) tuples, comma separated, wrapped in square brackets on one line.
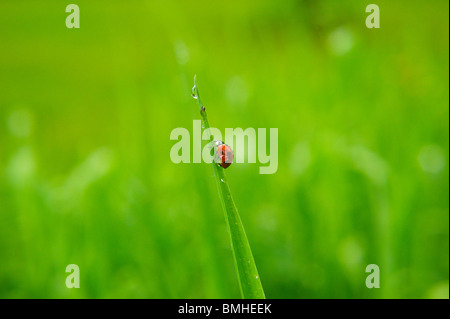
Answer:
[(248, 277)]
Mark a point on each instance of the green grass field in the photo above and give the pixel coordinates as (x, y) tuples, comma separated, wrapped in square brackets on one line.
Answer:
[(85, 170)]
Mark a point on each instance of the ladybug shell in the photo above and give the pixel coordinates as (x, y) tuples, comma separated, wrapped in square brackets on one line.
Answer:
[(225, 154)]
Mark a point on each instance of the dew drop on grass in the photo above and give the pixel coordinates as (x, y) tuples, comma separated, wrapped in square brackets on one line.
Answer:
[(194, 92)]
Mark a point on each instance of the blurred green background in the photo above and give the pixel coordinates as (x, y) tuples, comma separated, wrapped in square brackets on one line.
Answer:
[(86, 176)]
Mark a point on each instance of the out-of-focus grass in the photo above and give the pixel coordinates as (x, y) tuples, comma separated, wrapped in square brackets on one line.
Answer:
[(86, 177)]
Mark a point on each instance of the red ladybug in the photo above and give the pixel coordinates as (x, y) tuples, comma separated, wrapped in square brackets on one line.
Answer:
[(224, 154)]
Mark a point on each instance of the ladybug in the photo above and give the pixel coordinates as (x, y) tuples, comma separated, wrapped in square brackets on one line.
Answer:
[(224, 154)]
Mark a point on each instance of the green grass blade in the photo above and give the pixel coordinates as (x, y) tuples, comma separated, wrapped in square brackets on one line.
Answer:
[(249, 281)]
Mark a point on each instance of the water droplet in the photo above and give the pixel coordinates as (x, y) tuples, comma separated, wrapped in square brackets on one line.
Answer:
[(222, 180), (194, 92), (257, 277)]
